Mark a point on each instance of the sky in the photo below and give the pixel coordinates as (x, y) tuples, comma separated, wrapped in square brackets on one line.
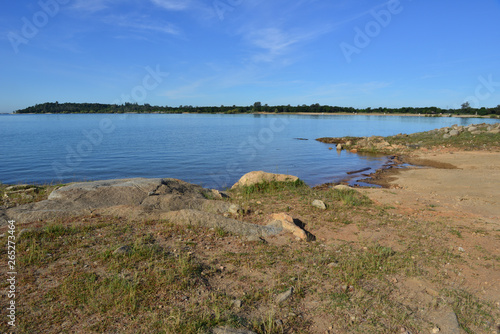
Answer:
[(397, 53)]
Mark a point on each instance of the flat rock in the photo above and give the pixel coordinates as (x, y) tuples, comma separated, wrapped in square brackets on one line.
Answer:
[(342, 187), (228, 330), (137, 199), (284, 296), (260, 176)]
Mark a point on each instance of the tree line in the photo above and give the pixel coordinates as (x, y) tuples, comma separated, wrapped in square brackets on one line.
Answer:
[(98, 108)]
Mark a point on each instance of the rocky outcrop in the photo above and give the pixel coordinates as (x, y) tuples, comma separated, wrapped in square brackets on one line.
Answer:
[(380, 144), (136, 199), (260, 176), (474, 129), (355, 144)]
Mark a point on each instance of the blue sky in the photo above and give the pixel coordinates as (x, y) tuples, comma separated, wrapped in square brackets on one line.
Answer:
[(225, 52)]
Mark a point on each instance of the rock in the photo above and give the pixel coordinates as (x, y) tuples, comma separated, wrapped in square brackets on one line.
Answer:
[(319, 204), (123, 250), (260, 176), (454, 133), (284, 296), (176, 201), (342, 187), (354, 150), (435, 330), (212, 220), (446, 320), (236, 303), (234, 209), (494, 131), (286, 223), (471, 128), (339, 147), (446, 136), (228, 330)]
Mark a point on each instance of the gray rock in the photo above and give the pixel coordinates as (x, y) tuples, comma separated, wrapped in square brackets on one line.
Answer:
[(342, 187), (477, 132), (175, 200), (446, 320), (228, 330), (284, 296), (123, 250), (494, 131), (454, 133), (237, 303), (446, 136), (319, 204), (472, 128), (234, 209), (260, 176), (339, 147)]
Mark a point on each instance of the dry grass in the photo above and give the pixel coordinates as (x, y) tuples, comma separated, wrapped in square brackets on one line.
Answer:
[(174, 279)]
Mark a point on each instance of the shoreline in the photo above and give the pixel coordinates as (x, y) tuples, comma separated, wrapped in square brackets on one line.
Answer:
[(276, 114)]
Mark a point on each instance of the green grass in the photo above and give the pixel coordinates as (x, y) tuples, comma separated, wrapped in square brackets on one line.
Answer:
[(273, 187), (464, 140)]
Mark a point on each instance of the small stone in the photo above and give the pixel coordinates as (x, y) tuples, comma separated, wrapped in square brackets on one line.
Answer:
[(237, 303), (234, 209), (319, 204), (460, 249), (228, 330), (284, 296), (123, 250), (435, 330)]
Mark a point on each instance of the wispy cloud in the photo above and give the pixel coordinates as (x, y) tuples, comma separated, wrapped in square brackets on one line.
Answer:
[(142, 23), (190, 90), (91, 5), (173, 4), (275, 43)]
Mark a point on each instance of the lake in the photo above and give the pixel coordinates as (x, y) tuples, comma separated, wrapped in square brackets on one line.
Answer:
[(211, 150)]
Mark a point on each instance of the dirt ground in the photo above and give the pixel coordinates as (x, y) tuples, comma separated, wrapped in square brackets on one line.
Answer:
[(465, 197)]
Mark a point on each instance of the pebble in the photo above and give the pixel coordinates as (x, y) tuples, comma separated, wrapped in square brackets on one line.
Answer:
[(284, 295)]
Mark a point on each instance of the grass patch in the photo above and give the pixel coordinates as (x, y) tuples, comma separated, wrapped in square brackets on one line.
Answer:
[(273, 187)]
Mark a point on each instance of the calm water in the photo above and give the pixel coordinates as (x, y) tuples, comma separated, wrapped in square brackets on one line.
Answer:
[(211, 150)]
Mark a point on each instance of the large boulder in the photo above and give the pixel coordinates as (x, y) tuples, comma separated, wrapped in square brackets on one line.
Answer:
[(259, 176)]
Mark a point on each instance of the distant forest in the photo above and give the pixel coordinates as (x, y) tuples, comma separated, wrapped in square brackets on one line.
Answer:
[(97, 108)]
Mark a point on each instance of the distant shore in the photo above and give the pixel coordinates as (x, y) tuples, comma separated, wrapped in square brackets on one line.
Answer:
[(273, 113)]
